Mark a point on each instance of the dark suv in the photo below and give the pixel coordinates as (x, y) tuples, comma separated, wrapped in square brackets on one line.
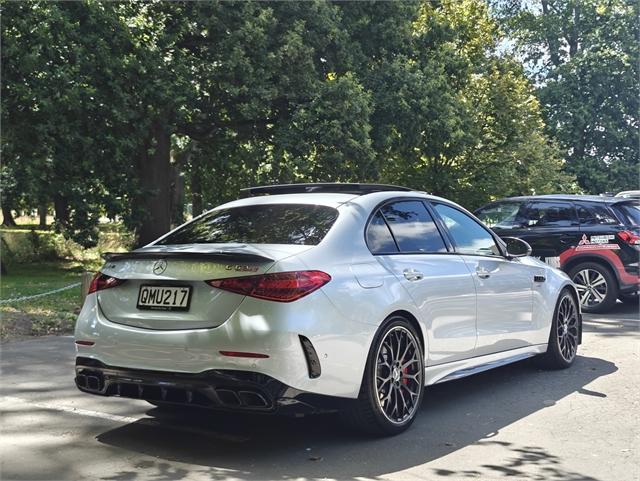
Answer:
[(596, 240)]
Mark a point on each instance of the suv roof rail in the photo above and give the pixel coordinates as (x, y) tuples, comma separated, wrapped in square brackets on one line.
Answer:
[(322, 187)]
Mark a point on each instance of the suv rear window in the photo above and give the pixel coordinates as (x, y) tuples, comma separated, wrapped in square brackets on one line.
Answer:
[(258, 224), (595, 214)]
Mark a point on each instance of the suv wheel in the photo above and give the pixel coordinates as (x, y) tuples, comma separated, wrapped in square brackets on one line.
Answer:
[(597, 287), (393, 382)]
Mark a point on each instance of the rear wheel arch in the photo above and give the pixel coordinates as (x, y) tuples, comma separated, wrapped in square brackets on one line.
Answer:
[(414, 322), (594, 259)]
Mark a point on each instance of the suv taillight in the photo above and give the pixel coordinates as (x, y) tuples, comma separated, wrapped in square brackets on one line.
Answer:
[(102, 281), (629, 237), (280, 287)]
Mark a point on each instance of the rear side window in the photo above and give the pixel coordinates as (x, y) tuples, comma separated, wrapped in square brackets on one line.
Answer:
[(413, 227), (596, 214), (379, 238), (501, 215), (550, 214), (258, 224)]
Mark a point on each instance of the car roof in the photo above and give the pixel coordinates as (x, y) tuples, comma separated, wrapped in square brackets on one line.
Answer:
[(367, 200), (331, 200), (569, 197)]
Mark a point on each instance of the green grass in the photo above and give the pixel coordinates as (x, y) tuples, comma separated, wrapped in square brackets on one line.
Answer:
[(52, 314), (38, 261)]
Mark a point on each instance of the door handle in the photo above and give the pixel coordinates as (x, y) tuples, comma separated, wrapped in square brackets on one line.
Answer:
[(412, 275), (483, 273)]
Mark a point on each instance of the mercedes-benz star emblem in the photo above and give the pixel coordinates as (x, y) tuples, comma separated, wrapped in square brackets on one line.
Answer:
[(159, 267)]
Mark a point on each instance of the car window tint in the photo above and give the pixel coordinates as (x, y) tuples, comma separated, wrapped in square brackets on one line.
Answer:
[(501, 215), (550, 214), (630, 212), (596, 214), (379, 238), (413, 227), (258, 224), (469, 236)]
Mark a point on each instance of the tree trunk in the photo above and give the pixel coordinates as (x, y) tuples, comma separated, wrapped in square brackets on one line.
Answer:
[(42, 214), (552, 42), (7, 217), (196, 187), (61, 209), (177, 196), (155, 177)]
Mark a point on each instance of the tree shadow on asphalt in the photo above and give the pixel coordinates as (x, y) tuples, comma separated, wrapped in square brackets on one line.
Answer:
[(454, 415)]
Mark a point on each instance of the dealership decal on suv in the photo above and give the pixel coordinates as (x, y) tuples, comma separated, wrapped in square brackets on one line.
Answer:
[(596, 242)]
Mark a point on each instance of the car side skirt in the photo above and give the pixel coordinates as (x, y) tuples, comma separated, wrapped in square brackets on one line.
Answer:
[(467, 367)]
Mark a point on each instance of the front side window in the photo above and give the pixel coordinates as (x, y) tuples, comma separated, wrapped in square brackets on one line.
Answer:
[(469, 236), (301, 224), (550, 214), (501, 215), (413, 227)]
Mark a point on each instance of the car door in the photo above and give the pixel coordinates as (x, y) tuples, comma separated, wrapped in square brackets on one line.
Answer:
[(405, 239), (504, 286), (551, 227)]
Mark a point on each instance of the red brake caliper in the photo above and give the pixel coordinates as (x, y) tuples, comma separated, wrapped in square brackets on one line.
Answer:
[(405, 381)]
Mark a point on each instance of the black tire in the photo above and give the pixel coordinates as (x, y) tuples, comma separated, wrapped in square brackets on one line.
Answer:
[(564, 336), (580, 279), (632, 299), (165, 406), (367, 414)]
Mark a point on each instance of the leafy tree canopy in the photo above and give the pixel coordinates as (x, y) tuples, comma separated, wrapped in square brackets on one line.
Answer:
[(583, 56), (127, 109)]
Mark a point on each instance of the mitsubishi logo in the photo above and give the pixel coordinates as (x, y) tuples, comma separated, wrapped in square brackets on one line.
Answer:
[(159, 267)]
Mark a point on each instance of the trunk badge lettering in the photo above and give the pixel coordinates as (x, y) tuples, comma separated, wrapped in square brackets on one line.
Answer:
[(241, 268)]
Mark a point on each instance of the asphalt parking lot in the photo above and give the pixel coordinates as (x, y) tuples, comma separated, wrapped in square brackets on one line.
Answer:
[(513, 423)]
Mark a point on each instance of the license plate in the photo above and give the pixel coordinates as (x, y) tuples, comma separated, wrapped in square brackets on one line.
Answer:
[(164, 298)]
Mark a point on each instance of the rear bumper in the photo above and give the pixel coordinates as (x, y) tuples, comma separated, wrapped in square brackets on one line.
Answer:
[(226, 390), (270, 329)]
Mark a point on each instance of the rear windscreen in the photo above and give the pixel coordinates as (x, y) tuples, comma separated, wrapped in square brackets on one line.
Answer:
[(258, 224)]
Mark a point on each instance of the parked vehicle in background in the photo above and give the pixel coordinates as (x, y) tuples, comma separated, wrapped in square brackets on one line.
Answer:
[(595, 239), (309, 297), (629, 194)]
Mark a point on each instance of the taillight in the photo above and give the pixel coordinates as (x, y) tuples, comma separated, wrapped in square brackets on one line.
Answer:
[(280, 287), (629, 237), (102, 281)]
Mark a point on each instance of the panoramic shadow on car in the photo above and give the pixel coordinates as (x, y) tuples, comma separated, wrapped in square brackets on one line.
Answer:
[(454, 415)]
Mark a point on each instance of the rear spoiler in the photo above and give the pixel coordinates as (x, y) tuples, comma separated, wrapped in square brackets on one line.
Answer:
[(228, 256)]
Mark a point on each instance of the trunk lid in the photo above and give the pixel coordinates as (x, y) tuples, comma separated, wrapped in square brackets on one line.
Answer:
[(184, 266)]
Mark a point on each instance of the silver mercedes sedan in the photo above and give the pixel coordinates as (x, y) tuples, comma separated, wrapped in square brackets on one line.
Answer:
[(311, 297)]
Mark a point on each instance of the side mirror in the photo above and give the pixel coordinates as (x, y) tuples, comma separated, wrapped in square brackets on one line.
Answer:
[(517, 247)]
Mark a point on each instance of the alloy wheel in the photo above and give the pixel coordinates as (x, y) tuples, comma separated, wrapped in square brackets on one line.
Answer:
[(398, 375), (567, 328), (592, 287)]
